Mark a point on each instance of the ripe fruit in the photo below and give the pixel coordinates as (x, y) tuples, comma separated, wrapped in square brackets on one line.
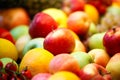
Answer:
[(7, 35), (64, 75), (79, 22), (59, 16), (57, 42), (111, 41), (41, 25), (99, 56), (19, 31), (113, 66), (1, 65), (36, 60), (94, 71), (63, 62), (8, 49), (13, 17), (27, 73)]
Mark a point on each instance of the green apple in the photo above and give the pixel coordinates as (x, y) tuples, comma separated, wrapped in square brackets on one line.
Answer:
[(33, 43), (113, 10), (113, 66), (82, 57), (19, 31), (96, 41), (6, 60)]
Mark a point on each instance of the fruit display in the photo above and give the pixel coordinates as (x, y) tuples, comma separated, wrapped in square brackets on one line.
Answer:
[(60, 40)]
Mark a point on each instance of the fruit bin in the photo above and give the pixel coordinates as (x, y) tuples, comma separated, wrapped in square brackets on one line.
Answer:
[(59, 39)]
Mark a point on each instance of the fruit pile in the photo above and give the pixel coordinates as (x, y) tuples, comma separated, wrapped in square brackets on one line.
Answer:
[(65, 40)]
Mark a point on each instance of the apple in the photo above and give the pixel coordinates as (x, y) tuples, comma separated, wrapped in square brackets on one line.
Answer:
[(33, 43), (59, 16), (99, 56), (13, 17), (41, 25), (70, 6), (7, 35), (111, 41), (79, 22), (113, 66), (79, 46), (20, 43), (64, 62), (59, 41), (94, 71), (41, 76), (82, 57), (19, 31), (96, 41)]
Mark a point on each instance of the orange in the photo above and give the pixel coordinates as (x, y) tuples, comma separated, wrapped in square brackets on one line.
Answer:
[(64, 75), (8, 49), (36, 60), (92, 13)]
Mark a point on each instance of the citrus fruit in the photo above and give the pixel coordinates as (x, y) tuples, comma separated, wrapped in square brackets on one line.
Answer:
[(64, 75), (8, 49), (59, 16), (36, 60), (92, 13)]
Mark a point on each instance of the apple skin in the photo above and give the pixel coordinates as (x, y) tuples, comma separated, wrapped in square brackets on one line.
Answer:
[(57, 42), (7, 35), (79, 22), (113, 66), (19, 31), (41, 25), (94, 71), (70, 6), (13, 17), (41, 76), (96, 38), (99, 56), (111, 41), (82, 57), (33, 43)]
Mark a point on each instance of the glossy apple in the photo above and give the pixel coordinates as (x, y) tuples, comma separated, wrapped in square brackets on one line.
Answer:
[(19, 31), (99, 56), (70, 6), (41, 25), (7, 35), (96, 41), (59, 41), (33, 43), (13, 17), (59, 16), (41, 76), (64, 62), (79, 22), (113, 66), (82, 57), (111, 41), (94, 72)]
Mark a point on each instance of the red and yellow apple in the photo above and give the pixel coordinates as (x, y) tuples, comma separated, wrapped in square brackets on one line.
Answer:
[(59, 41), (79, 22)]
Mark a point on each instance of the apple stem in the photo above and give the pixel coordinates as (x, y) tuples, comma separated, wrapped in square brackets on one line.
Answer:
[(114, 29)]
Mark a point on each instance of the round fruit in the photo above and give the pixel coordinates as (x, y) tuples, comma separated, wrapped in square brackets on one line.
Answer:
[(8, 49), (36, 60)]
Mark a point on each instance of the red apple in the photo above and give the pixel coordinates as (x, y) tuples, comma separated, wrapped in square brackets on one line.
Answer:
[(13, 17), (7, 35), (111, 41), (59, 41), (79, 22), (70, 6), (94, 71), (41, 25)]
